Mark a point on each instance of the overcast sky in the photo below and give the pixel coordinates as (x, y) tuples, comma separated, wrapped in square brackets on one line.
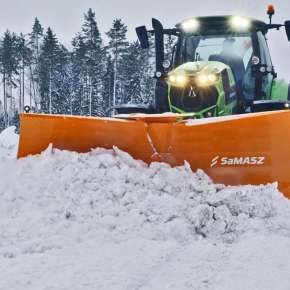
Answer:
[(66, 16)]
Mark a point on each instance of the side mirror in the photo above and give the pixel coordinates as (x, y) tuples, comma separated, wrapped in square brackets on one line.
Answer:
[(143, 37), (159, 44), (287, 28)]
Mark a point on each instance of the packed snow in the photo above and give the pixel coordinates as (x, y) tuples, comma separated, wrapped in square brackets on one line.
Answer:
[(103, 220), (8, 143)]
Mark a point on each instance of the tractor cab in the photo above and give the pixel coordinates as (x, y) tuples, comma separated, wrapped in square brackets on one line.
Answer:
[(218, 65)]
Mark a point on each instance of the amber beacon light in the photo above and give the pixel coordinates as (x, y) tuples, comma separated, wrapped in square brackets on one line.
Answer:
[(271, 11)]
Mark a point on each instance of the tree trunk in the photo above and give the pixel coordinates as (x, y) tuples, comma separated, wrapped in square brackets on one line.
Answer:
[(90, 96), (33, 88), (5, 100), (20, 93), (50, 96), (30, 94), (23, 86)]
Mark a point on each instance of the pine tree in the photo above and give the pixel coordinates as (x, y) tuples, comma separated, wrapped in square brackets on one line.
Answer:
[(2, 119), (53, 75), (132, 74), (108, 85), (36, 39), (24, 60), (169, 42), (79, 72), (147, 67), (94, 59), (118, 47), (9, 65), (62, 83)]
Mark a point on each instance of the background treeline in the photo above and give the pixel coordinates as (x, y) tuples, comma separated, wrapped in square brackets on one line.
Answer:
[(87, 79)]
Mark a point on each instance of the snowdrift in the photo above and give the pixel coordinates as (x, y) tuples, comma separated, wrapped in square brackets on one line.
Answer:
[(111, 190), (8, 142), (57, 201)]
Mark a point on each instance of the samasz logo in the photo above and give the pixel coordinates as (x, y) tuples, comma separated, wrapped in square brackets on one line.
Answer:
[(214, 161), (229, 161)]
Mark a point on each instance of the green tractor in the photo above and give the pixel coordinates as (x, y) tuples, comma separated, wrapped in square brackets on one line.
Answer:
[(219, 66)]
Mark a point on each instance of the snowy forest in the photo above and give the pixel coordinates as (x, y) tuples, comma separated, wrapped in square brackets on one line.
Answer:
[(89, 78)]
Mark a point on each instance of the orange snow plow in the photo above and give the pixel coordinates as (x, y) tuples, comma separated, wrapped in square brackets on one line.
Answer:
[(234, 150)]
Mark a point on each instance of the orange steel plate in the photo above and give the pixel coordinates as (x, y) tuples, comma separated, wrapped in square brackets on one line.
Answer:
[(235, 150)]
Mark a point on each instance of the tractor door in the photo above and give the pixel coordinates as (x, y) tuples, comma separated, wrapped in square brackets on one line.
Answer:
[(266, 68)]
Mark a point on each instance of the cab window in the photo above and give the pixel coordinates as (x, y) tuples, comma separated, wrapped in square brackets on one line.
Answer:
[(265, 59)]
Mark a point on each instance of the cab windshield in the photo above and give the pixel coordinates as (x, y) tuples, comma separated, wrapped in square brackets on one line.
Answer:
[(206, 46), (234, 51)]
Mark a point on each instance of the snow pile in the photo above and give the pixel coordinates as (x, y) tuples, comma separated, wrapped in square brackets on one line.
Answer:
[(73, 205), (116, 193), (109, 191), (8, 142)]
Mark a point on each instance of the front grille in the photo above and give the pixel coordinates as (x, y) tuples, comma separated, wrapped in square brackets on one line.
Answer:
[(193, 98)]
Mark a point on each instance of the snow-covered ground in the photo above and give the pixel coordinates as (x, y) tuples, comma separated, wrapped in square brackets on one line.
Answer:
[(105, 221)]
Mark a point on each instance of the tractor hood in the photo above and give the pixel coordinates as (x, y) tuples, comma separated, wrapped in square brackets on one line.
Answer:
[(199, 67), (204, 73), (195, 87)]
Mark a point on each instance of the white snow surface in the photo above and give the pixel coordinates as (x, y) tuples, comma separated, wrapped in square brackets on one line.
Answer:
[(8, 142), (103, 220)]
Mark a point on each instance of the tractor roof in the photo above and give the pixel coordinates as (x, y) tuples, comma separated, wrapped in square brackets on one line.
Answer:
[(210, 25)]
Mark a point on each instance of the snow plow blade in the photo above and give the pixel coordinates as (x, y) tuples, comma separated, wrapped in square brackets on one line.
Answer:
[(234, 150)]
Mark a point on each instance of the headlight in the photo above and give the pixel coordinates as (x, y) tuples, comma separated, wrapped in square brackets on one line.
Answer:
[(239, 23), (178, 80), (190, 25), (205, 80)]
